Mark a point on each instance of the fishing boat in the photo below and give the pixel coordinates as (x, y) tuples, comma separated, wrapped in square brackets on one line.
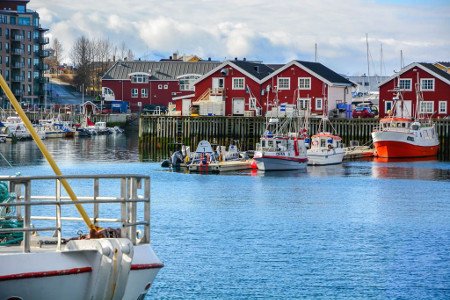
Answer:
[(326, 149), (401, 135), (206, 160), (47, 257), (282, 146)]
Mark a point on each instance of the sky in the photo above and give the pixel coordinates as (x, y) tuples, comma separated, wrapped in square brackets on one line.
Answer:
[(262, 30)]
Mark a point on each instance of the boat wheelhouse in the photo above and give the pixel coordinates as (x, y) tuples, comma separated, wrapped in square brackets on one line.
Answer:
[(326, 149)]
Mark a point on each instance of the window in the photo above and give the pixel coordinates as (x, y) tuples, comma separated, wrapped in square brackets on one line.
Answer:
[(283, 83), (442, 107), (29, 75), (404, 84), (24, 21), (139, 78), (388, 107), (134, 93), (12, 20), (238, 83), (304, 83), (318, 103), (166, 86), (427, 107), (303, 103), (144, 93), (160, 86), (427, 84), (187, 82)]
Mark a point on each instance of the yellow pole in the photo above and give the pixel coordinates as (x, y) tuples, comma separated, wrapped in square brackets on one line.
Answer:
[(44, 151)]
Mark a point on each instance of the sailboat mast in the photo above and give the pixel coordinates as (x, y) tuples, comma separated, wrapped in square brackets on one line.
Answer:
[(368, 64), (381, 59)]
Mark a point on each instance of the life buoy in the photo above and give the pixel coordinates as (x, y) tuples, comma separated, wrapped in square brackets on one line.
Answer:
[(330, 146), (315, 143)]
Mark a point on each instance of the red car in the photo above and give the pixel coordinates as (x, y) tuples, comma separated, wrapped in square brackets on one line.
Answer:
[(365, 112)]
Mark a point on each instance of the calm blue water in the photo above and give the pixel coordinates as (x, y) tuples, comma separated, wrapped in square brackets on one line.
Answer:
[(359, 230)]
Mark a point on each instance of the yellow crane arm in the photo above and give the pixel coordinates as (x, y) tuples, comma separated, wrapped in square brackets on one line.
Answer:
[(44, 151)]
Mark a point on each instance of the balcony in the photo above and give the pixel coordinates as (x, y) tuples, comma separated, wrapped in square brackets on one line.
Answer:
[(17, 51), (41, 67), (18, 38), (17, 78), (43, 40), (42, 53), (17, 65)]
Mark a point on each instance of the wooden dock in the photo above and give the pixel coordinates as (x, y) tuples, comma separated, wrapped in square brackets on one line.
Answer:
[(158, 135)]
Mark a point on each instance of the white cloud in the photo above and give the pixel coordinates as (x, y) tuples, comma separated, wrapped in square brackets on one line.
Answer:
[(274, 32)]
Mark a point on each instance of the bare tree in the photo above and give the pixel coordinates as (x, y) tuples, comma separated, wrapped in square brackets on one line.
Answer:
[(57, 52), (81, 56), (130, 54), (123, 51)]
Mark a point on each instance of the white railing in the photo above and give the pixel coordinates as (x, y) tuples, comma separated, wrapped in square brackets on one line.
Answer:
[(127, 199)]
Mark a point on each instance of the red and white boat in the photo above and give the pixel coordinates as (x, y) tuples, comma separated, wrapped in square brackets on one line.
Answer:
[(115, 264), (326, 149), (401, 135), (282, 146)]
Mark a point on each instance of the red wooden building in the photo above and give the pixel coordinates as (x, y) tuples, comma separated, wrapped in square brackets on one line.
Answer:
[(423, 80), (145, 83), (249, 88)]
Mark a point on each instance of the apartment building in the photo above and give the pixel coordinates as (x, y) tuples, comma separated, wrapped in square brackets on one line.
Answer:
[(22, 52)]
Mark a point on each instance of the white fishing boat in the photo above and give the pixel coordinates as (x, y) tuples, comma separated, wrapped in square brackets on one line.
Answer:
[(282, 146), (402, 135), (326, 149), (13, 128)]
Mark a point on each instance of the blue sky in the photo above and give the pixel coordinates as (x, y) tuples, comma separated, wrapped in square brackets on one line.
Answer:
[(264, 30)]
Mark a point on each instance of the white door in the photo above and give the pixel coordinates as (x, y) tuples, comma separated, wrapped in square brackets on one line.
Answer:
[(405, 110), (238, 106), (217, 84), (185, 107)]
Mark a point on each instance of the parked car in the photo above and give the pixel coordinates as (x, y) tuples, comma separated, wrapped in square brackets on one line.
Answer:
[(365, 111)]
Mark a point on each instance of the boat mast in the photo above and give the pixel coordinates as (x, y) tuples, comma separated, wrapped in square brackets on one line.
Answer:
[(368, 64)]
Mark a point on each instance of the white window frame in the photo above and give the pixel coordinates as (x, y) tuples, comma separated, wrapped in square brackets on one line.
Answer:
[(442, 107), (427, 107), (286, 85), (144, 93), (317, 102), (306, 85), (386, 106), (405, 80), (238, 83), (424, 81), (134, 93), (160, 86), (139, 78), (187, 81), (304, 103), (166, 86)]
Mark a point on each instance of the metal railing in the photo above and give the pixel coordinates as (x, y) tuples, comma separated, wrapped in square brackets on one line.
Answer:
[(127, 198)]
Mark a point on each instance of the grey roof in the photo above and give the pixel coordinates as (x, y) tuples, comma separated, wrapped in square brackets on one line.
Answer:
[(325, 72), (257, 70), (373, 81), (436, 70), (159, 70)]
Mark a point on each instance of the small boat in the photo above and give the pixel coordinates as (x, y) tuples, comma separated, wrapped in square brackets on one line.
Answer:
[(400, 135), (326, 149), (14, 129), (282, 146), (206, 160), (356, 151)]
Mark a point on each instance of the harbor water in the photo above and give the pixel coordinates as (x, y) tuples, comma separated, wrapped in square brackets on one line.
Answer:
[(363, 229)]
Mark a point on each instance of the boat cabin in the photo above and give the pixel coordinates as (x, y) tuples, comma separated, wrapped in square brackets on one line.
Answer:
[(398, 123), (326, 140)]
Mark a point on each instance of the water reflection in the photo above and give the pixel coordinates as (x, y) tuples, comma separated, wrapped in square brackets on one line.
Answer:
[(415, 168), (102, 148)]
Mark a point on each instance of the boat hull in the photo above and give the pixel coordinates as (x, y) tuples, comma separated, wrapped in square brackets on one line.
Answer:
[(398, 144), (86, 272), (325, 157), (279, 163), (226, 166)]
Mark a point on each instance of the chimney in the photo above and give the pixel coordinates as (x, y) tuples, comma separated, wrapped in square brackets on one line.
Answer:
[(175, 56)]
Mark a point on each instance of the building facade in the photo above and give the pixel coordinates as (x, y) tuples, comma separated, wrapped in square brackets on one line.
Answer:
[(423, 81), (144, 83), (22, 52), (253, 88)]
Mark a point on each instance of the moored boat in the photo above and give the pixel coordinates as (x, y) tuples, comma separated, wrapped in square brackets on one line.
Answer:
[(282, 146), (326, 149), (401, 135)]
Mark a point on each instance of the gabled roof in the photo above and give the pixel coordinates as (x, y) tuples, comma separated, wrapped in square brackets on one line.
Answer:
[(318, 70), (254, 70), (428, 67), (158, 70)]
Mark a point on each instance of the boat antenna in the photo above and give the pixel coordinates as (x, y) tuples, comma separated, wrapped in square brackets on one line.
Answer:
[(46, 153)]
